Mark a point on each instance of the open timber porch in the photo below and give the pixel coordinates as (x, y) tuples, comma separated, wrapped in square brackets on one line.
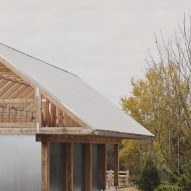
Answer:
[(89, 151), (24, 105), (71, 121), (27, 110)]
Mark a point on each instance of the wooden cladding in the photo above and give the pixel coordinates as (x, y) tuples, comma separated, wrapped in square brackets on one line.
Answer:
[(63, 138), (45, 165), (23, 101), (16, 101), (88, 167), (39, 110), (87, 158), (116, 165), (12, 115), (102, 157), (52, 116), (69, 166)]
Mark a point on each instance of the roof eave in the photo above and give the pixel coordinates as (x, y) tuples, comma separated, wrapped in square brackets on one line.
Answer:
[(123, 135)]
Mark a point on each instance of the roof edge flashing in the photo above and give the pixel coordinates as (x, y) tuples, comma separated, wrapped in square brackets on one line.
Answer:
[(14, 49), (122, 135)]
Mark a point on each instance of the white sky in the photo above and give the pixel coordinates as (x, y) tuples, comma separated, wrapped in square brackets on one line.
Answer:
[(102, 41)]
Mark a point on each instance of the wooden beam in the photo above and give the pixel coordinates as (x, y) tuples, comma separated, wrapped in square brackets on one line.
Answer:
[(69, 122), (17, 125), (53, 114), (17, 92), (116, 165), (3, 69), (16, 81), (60, 117), (65, 130), (7, 74), (65, 138), (102, 159), (69, 166), (11, 90), (65, 109), (6, 87), (45, 157), (38, 98), (88, 167), (18, 131), (12, 129), (16, 101), (3, 82), (46, 113)]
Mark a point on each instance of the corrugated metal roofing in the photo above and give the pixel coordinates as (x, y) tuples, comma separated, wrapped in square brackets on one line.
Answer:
[(72, 92)]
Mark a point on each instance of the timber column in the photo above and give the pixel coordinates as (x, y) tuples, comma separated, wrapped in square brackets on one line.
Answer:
[(45, 170), (116, 165)]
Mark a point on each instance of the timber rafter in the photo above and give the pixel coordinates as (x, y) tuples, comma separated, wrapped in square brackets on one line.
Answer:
[(19, 103)]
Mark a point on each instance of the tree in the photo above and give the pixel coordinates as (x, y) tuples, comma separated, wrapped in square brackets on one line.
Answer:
[(162, 103), (149, 179)]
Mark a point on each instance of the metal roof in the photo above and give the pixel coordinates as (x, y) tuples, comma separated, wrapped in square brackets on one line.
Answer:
[(102, 116)]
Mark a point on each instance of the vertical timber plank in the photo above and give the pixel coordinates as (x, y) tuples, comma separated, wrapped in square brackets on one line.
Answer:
[(102, 152), (88, 168), (46, 113), (45, 171), (60, 118), (38, 100), (53, 115), (116, 165), (69, 166)]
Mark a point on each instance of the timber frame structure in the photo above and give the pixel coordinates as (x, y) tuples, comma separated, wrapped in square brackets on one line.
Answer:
[(30, 106)]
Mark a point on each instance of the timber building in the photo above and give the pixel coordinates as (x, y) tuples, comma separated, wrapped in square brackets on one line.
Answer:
[(54, 128)]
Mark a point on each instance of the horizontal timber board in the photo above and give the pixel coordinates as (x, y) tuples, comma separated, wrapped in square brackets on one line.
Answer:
[(61, 138), (17, 125), (18, 131), (16, 101), (14, 130), (65, 130)]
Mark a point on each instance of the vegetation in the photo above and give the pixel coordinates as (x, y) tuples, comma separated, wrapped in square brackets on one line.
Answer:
[(162, 103), (149, 179)]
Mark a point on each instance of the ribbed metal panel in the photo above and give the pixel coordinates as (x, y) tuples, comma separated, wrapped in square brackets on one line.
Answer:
[(20, 163), (73, 93)]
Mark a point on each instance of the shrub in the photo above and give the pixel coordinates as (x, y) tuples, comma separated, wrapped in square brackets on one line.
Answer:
[(149, 179), (168, 187)]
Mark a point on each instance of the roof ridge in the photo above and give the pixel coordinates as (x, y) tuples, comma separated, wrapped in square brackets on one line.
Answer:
[(37, 59)]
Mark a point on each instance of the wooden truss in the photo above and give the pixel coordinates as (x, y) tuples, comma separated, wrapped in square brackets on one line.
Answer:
[(26, 108), (24, 104)]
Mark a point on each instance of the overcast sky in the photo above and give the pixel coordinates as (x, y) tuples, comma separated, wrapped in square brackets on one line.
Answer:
[(102, 41)]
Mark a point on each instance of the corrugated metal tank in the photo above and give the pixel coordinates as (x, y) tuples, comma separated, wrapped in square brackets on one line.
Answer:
[(20, 163)]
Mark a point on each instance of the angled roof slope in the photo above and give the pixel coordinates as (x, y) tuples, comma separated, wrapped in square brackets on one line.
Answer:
[(72, 92)]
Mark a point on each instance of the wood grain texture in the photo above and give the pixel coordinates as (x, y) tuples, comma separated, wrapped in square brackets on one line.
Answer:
[(88, 168), (116, 165), (45, 171), (102, 159), (69, 166), (66, 138)]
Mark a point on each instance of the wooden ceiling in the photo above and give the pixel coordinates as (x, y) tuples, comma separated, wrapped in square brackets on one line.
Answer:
[(18, 103), (14, 87)]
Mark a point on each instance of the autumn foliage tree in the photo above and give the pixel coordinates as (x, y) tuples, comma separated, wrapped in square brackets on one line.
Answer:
[(162, 103)]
